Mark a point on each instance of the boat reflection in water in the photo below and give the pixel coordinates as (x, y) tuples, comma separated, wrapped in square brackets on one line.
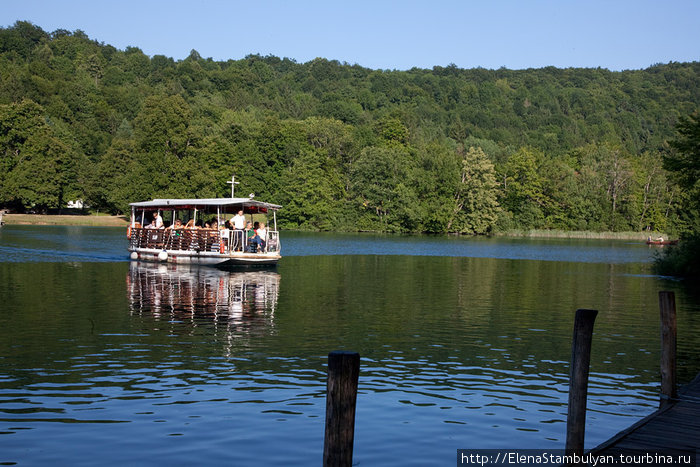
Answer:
[(244, 301)]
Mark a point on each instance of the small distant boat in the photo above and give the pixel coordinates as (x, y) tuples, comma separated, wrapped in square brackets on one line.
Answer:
[(662, 242)]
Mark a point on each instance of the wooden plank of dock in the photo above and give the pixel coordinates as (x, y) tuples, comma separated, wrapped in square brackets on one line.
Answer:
[(674, 426)]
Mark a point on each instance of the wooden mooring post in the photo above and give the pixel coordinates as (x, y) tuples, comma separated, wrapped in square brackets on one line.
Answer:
[(667, 307), (341, 397), (578, 380)]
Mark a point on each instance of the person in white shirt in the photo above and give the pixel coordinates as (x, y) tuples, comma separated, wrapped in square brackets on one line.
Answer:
[(238, 221), (238, 224), (262, 233), (158, 220)]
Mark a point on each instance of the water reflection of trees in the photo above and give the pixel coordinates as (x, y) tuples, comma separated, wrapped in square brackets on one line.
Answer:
[(243, 300)]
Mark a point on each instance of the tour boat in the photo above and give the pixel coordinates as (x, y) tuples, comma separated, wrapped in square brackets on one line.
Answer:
[(212, 246)]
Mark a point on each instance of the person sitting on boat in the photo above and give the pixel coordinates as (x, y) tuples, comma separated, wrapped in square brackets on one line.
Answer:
[(238, 221), (214, 225), (262, 234), (177, 225), (152, 225), (253, 238), (659, 239), (191, 225)]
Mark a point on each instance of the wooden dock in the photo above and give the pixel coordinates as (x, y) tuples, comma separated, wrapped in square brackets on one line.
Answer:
[(675, 426), (672, 430)]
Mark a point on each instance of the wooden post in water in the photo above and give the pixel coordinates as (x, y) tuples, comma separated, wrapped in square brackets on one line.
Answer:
[(578, 380), (667, 306), (341, 396)]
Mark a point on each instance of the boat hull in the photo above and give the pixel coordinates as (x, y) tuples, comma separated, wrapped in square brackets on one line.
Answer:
[(204, 257), (666, 242)]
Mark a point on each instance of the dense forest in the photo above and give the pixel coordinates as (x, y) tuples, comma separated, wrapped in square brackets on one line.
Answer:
[(340, 146)]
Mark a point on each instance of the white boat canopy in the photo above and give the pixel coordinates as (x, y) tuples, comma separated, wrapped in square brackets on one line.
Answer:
[(205, 202)]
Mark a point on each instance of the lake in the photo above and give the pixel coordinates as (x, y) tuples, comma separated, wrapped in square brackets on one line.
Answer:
[(464, 344)]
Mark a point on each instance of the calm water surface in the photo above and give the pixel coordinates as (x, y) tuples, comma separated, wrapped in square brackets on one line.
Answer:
[(464, 343)]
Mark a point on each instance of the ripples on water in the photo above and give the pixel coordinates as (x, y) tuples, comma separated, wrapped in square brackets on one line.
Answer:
[(143, 364), (62, 244)]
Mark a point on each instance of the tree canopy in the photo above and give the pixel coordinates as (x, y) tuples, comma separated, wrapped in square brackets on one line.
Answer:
[(343, 147)]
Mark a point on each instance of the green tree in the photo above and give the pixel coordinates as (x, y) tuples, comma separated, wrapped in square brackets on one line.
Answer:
[(684, 260), (616, 168), (37, 169), (522, 185), (162, 126), (684, 164), (119, 178), (563, 191), (653, 196), (438, 172), (169, 160), (21, 38), (312, 192), (476, 205), (685, 160), (392, 132), (381, 180)]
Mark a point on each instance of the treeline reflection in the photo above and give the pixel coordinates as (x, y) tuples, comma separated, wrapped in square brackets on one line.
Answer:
[(201, 294)]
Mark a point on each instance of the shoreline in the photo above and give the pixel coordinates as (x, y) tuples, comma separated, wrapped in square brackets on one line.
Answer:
[(68, 219), (121, 221), (582, 234)]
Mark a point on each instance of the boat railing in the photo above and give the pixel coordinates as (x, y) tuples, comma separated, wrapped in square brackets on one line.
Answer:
[(184, 239), (238, 240), (201, 240), (273, 241)]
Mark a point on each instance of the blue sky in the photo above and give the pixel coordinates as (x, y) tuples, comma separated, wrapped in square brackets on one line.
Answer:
[(613, 34)]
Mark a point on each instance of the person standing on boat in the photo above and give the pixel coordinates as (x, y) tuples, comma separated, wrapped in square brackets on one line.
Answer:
[(238, 221), (238, 224), (158, 220)]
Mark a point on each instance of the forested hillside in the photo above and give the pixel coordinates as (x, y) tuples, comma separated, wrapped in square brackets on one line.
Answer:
[(340, 146)]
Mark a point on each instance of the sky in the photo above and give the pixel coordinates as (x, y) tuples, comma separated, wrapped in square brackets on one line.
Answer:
[(388, 34)]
